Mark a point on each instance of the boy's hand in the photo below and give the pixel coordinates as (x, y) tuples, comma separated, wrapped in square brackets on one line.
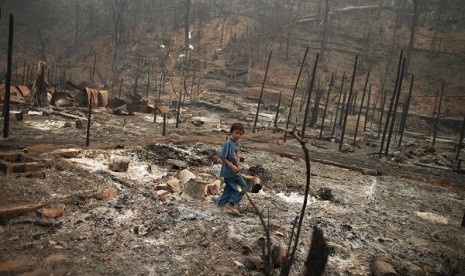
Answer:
[(235, 169)]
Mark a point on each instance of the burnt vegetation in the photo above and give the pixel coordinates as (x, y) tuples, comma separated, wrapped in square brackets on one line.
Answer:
[(113, 113)]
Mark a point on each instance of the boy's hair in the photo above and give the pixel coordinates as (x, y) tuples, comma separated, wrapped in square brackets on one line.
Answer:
[(237, 126)]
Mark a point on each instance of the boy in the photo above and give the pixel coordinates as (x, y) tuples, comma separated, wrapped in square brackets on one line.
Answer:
[(235, 185)]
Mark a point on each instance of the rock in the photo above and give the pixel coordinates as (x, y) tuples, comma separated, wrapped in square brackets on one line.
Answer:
[(346, 148), (172, 164), (106, 194), (425, 160), (17, 210), (381, 266), (198, 123), (119, 163), (254, 262), (19, 117), (212, 190), (140, 230), (370, 172), (79, 124), (161, 194), (67, 125), (173, 183), (195, 188), (325, 193), (185, 176), (412, 269), (54, 212)]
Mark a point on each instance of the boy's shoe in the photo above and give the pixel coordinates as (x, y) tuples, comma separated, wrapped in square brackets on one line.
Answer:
[(231, 210)]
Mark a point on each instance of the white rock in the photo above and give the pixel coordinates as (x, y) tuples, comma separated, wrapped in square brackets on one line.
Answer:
[(186, 175)]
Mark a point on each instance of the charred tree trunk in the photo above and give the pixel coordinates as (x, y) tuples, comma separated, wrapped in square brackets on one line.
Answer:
[(331, 82), (6, 104), (341, 142), (405, 112), (394, 113), (295, 90), (186, 25), (309, 93), (261, 92), (361, 107), (436, 122)]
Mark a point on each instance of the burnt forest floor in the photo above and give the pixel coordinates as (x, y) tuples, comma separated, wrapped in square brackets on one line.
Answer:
[(409, 210)]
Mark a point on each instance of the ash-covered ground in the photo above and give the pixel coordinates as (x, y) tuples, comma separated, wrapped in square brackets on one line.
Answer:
[(150, 219)]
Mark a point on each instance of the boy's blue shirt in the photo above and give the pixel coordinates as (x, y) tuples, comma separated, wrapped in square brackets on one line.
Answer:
[(229, 151)]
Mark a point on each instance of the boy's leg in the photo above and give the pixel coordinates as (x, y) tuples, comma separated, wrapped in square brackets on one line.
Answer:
[(239, 186), (226, 195)]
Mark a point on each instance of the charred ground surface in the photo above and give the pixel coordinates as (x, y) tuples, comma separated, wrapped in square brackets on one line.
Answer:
[(133, 222)]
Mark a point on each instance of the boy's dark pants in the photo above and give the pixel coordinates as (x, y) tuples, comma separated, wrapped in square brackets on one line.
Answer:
[(234, 190)]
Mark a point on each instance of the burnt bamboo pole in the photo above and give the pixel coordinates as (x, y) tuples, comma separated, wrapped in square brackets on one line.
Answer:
[(374, 106), (331, 82), (310, 88), (399, 66), (434, 110), (93, 71), (261, 92), (148, 79), (354, 103), (88, 122), (338, 103), (341, 142), (316, 105), (361, 107), (24, 73), (293, 93), (277, 111), (164, 124), (27, 74), (6, 103), (405, 112), (367, 110), (343, 108), (459, 144), (120, 87), (383, 105), (436, 123), (178, 113), (396, 104), (16, 72)]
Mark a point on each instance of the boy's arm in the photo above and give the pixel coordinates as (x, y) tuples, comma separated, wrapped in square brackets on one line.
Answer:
[(233, 167)]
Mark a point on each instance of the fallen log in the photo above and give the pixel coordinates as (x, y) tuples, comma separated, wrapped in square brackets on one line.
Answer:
[(17, 210)]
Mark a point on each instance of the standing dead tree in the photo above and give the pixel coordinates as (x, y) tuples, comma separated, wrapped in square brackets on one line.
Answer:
[(39, 88), (295, 89), (6, 105), (261, 92), (416, 10)]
